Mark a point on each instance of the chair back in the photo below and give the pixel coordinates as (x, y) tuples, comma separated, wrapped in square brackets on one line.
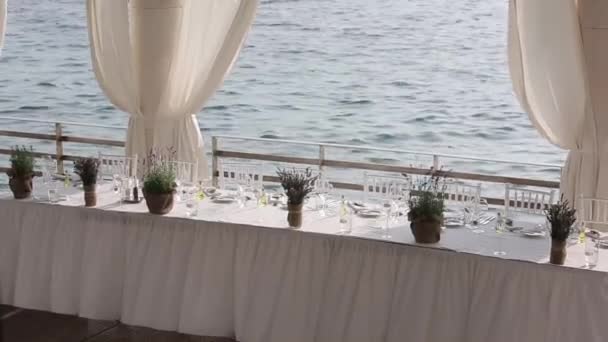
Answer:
[(386, 187), (185, 172), (462, 192), (111, 165), (240, 174), (526, 200)]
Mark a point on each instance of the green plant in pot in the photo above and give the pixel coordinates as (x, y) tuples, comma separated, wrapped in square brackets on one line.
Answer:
[(297, 185), (159, 188), (561, 217), (426, 209), (21, 173), (87, 169)]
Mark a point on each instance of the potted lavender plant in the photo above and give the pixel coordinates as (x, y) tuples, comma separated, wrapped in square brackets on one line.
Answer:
[(21, 173), (297, 186), (86, 169), (561, 217), (159, 182), (426, 210)]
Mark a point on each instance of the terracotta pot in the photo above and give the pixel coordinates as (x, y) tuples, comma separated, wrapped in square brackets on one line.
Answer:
[(558, 252), (426, 230), (90, 195), (159, 204), (294, 216), (21, 187)]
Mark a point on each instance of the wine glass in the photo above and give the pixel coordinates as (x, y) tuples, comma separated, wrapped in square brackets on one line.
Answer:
[(323, 189), (471, 214)]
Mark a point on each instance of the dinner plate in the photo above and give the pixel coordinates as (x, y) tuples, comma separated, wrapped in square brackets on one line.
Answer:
[(453, 224), (369, 213), (223, 199), (534, 234)]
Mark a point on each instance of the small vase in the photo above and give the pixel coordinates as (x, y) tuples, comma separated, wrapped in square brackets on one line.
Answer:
[(294, 216), (426, 230), (558, 252), (22, 187), (90, 195), (159, 204)]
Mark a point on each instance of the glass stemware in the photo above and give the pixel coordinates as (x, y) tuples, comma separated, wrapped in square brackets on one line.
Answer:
[(192, 203), (591, 249)]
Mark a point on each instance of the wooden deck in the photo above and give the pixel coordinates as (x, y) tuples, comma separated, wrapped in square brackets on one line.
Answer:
[(18, 325)]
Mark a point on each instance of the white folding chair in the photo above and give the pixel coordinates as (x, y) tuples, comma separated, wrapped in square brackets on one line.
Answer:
[(185, 172), (462, 192), (386, 187), (240, 174), (593, 213), (115, 165), (525, 200)]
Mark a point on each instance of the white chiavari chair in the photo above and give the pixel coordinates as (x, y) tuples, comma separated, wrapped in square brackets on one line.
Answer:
[(186, 173), (462, 192), (593, 213), (386, 187), (115, 165), (519, 199), (240, 174)]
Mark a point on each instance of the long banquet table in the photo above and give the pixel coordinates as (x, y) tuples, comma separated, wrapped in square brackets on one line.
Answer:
[(241, 273)]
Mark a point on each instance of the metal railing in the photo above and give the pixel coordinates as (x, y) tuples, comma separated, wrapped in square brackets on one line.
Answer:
[(217, 153)]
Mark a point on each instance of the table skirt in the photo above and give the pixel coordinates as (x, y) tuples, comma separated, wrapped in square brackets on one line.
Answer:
[(267, 284)]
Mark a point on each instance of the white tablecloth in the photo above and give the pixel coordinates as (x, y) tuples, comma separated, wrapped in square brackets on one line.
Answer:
[(269, 283)]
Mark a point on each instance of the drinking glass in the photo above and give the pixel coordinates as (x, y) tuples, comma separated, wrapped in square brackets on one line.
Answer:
[(191, 204), (591, 249), (53, 196), (471, 214), (388, 208), (117, 184)]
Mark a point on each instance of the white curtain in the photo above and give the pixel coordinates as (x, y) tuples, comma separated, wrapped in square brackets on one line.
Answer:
[(549, 74), (161, 61), (3, 17)]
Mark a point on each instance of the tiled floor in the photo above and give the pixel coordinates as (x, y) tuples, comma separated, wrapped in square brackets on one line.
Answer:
[(17, 325)]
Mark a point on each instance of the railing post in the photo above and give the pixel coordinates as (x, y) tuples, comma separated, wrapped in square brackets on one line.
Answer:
[(214, 160), (435, 162), (59, 147), (321, 157)]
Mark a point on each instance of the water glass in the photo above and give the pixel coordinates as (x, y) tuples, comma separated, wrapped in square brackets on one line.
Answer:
[(116, 184), (591, 250), (53, 196), (191, 206)]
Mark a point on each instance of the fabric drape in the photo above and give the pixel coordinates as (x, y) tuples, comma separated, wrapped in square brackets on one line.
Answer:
[(3, 18), (259, 284), (161, 61), (547, 60)]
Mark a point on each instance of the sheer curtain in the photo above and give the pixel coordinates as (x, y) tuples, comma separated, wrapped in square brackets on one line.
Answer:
[(161, 61), (3, 17), (547, 59)]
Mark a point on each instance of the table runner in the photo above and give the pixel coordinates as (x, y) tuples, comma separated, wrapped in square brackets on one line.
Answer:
[(271, 284)]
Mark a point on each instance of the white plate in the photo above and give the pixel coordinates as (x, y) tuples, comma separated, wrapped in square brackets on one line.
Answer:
[(534, 234), (223, 200), (453, 224), (369, 213)]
